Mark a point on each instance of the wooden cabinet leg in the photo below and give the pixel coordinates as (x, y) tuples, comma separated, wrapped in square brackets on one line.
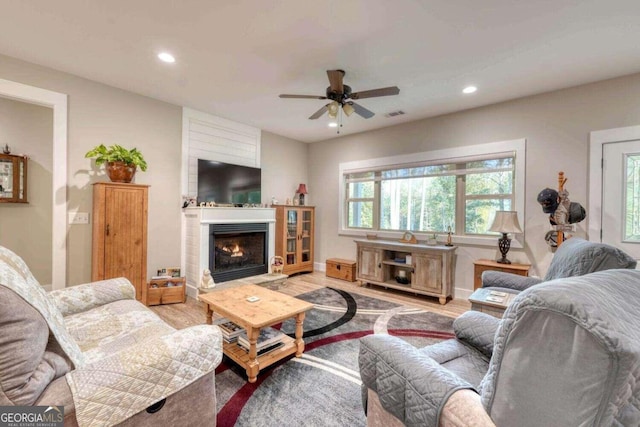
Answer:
[(443, 300)]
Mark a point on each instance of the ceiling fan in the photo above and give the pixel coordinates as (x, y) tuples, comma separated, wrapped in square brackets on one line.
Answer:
[(341, 96)]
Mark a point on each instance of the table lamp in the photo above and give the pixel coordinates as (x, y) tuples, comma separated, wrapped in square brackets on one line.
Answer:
[(302, 190), (505, 222)]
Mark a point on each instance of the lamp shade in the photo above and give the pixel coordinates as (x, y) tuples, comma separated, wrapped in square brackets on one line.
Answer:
[(302, 189), (348, 109), (506, 222), (333, 109)]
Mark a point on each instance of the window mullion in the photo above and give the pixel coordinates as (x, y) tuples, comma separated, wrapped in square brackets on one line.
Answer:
[(460, 204), (377, 196)]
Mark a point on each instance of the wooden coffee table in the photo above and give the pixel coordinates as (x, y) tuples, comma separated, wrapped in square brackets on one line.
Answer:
[(271, 308)]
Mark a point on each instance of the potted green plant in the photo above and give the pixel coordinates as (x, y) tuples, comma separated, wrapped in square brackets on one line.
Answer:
[(121, 163)]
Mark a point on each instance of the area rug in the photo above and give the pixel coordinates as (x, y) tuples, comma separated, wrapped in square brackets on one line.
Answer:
[(321, 388)]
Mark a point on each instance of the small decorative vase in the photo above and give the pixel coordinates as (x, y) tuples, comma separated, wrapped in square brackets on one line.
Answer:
[(120, 171)]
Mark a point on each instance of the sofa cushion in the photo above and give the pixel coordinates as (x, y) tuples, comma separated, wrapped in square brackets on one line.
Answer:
[(15, 275), (27, 362), (477, 329), (463, 360), (107, 329)]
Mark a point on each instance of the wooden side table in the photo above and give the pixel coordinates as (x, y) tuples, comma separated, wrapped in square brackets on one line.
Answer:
[(481, 265), (485, 301)]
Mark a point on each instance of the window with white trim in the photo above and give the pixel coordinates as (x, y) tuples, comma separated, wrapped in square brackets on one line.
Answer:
[(433, 195)]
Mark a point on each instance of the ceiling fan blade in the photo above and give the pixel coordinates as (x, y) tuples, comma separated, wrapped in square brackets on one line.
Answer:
[(303, 96), (385, 91), (319, 112), (360, 110), (335, 80)]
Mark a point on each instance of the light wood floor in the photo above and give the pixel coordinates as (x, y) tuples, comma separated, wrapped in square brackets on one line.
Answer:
[(193, 313)]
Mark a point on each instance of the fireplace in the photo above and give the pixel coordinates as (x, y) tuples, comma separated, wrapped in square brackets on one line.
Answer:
[(197, 222), (238, 250)]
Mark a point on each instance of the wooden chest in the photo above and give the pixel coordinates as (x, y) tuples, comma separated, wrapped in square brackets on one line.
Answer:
[(344, 269), (165, 291)]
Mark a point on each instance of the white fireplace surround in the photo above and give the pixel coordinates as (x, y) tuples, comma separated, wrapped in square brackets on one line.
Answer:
[(195, 229)]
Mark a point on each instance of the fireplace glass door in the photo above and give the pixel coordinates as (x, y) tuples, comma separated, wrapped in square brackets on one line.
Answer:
[(237, 251)]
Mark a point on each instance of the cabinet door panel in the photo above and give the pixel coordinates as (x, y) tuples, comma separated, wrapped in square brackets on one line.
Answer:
[(292, 237), (369, 260), (427, 272), (305, 232), (124, 245)]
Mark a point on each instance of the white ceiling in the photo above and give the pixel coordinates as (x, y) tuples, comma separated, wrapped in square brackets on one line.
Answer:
[(235, 57)]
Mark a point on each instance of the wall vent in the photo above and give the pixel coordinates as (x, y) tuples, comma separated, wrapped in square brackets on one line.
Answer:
[(395, 113)]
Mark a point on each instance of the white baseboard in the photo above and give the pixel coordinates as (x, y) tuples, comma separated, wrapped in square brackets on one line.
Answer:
[(319, 266), (192, 291)]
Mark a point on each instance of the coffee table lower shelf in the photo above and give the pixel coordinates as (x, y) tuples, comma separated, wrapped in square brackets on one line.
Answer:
[(241, 356)]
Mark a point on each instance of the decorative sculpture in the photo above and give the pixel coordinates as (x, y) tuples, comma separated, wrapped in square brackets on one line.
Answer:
[(449, 240), (207, 281)]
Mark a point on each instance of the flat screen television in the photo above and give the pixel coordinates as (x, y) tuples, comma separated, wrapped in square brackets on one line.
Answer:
[(224, 183)]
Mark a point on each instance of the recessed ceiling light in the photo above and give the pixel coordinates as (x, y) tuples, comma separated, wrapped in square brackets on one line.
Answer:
[(469, 89), (166, 57), (333, 124)]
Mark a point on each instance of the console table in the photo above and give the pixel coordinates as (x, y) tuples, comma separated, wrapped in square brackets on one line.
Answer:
[(411, 267)]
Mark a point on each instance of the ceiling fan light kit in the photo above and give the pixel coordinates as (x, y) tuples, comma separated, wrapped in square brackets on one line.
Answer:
[(341, 95), (333, 109), (348, 109)]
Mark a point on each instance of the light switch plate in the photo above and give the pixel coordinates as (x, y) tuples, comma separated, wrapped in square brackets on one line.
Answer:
[(78, 217)]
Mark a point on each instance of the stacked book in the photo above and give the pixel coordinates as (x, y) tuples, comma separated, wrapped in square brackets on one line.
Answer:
[(230, 331), (269, 340)]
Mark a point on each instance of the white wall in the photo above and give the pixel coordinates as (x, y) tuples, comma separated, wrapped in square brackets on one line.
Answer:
[(103, 114), (284, 167), (26, 228), (556, 126)]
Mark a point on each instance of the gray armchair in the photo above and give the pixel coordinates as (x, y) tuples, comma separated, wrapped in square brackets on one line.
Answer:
[(566, 353), (575, 257)]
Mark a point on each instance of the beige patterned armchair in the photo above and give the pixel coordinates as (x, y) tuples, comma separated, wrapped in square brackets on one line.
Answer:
[(101, 354)]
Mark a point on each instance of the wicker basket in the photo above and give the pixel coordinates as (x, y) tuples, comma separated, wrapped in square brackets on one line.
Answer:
[(277, 264)]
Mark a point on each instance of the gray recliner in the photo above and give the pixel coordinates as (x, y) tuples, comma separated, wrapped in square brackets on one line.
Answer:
[(566, 353), (575, 257)]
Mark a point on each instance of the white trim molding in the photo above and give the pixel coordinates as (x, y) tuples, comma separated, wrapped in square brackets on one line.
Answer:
[(58, 102), (597, 140)]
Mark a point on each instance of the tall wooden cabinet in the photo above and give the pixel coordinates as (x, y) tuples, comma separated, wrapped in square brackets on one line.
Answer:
[(294, 237), (120, 233)]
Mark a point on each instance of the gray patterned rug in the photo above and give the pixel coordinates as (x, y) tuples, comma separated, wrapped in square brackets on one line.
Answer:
[(321, 388)]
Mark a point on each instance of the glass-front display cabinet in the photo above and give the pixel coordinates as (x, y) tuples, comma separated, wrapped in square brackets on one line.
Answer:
[(294, 237), (13, 178)]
